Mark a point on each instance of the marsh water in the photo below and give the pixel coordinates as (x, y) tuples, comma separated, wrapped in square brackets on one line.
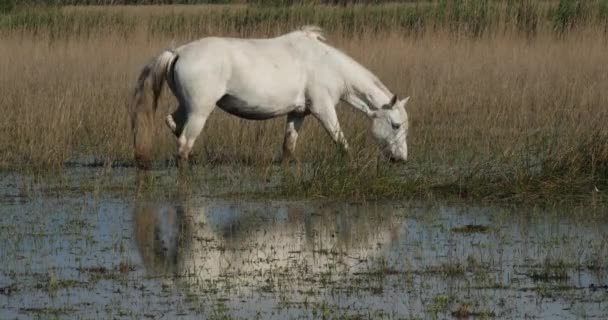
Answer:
[(74, 252)]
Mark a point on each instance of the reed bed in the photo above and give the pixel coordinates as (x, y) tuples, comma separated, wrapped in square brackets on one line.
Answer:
[(461, 17), (503, 112)]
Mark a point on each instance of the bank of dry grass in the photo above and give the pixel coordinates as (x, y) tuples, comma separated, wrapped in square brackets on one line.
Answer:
[(495, 115)]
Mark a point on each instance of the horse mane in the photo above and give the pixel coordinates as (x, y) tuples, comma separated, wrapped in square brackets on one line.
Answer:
[(314, 32), (317, 33), (350, 65)]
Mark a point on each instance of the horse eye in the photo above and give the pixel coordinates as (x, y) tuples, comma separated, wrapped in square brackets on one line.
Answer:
[(396, 126)]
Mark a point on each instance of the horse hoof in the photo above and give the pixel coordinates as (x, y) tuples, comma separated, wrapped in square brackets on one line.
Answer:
[(181, 162)]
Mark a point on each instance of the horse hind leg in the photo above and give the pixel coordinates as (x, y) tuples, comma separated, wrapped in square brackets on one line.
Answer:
[(191, 130), (194, 119), (170, 122), (176, 121), (186, 127), (193, 112), (292, 129)]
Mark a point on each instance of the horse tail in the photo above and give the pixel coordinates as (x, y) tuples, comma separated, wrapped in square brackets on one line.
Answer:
[(145, 101)]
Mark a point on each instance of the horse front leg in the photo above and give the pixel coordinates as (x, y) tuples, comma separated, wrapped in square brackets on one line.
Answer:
[(325, 111), (292, 129)]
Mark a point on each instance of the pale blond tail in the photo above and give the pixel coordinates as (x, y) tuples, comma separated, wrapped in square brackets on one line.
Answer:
[(155, 74), (145, 101)]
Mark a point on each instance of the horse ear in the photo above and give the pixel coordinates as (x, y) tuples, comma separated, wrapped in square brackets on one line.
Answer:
[(391, 103)]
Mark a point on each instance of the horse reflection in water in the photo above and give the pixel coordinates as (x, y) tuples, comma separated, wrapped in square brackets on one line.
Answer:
[(253, 241), (160, 235)]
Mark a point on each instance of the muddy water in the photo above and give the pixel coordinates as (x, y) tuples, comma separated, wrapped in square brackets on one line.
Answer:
[(68, 254)]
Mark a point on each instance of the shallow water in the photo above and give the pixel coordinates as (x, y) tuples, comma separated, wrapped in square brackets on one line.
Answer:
[(98, 254)]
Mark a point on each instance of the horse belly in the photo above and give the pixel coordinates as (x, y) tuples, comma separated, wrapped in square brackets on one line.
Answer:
[(264, 83), (259, 103), (241, 108)]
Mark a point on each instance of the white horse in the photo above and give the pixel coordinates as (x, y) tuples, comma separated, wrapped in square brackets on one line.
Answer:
[(295, 74)]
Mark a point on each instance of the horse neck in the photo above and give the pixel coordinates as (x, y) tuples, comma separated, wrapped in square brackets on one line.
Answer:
[(363, 83)]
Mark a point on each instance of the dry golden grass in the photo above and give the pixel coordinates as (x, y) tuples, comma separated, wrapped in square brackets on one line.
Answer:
[(502, 106)]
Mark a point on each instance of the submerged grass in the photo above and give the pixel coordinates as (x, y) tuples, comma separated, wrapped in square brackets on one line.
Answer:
[(514, 110)]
